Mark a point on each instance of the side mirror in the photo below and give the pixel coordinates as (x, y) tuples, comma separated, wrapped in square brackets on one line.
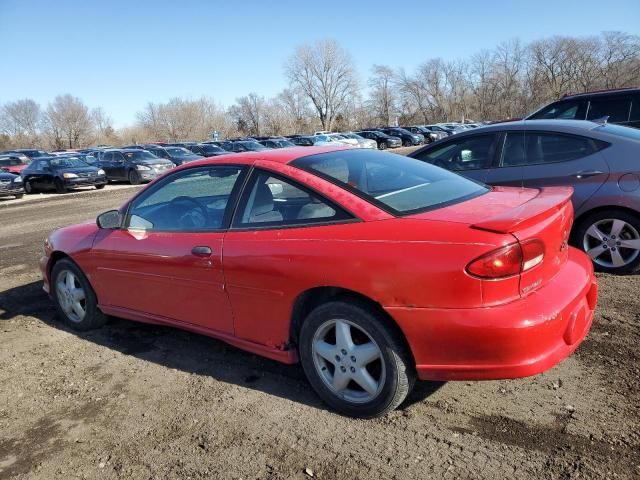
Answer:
[(110, 220)]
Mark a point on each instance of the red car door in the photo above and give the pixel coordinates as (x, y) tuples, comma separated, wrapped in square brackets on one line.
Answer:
[(269, 239), (167, 262)]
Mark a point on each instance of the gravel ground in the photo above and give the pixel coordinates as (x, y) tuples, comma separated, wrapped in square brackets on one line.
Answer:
[(141, 401)]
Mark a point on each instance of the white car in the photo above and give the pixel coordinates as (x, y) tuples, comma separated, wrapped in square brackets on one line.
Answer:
[(362, 142)]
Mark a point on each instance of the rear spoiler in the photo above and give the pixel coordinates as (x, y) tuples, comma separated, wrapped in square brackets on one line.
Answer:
[(547, 201)]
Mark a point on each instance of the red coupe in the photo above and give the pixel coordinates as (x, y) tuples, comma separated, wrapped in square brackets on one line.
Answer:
[(370, 268)]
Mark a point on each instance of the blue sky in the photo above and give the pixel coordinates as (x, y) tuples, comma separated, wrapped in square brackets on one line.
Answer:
[(122, 54)]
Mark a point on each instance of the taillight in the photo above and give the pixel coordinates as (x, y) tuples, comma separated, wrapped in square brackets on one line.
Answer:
[(508, 261)]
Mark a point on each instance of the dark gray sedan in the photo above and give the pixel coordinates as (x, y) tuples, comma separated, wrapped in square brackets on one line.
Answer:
[(600, 161)]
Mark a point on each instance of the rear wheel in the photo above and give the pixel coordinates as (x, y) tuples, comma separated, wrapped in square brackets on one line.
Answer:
[(612, 239), (134, 178), (354, 361), (383, 145), (74, 298), (60, 187)]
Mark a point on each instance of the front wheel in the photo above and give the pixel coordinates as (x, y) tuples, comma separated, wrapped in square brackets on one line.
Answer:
[(60, 187), (354, 360), (612, 239), (28, 188), (75, 300), (18, 196), (100, 187), (134, 177)]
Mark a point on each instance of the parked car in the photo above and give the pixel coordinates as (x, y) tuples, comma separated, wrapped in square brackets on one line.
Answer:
[(61, 174), (598, 161), (408, 139), (312, 140), (371, 268), (276, 143), (362, 142), (176, 155), (428, 135), (207, 150), (440, 129), (133, 165), (30, 153), (11, 185), (383, 140), (620, 106), (13, 163)]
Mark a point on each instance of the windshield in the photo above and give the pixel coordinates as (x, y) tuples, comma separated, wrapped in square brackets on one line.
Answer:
[(253, 146), (284, 143), (178, 151), (9, 162), (398, 184), (212, 149), (68, 162), (140, 155)]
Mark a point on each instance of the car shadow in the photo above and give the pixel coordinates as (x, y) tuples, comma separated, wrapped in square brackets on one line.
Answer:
[(183, 351)]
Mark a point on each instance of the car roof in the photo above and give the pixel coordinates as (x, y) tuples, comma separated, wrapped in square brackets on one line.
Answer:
[(575, 126), (598, 93), (282, 156)]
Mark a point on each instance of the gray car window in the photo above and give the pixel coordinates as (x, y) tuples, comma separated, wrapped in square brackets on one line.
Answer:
[(540, 148), (468, 153)]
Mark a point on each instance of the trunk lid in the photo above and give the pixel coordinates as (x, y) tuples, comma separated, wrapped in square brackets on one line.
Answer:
[(526, 214)]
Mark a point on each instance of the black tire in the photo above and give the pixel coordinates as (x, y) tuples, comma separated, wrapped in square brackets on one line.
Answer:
[(93, 317), (28, 188), (18, 196), (100, 187), (396, 365), (134, 177), (613, 244), (382, 145), (60, 187), (406, 143)]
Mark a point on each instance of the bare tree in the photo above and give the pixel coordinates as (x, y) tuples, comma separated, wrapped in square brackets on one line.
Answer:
[(248, 114), (20, 121), (325, 73), (382, 95), (68, 122)]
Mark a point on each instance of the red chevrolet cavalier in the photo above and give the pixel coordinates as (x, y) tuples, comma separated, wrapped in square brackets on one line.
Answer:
[(371, 268)]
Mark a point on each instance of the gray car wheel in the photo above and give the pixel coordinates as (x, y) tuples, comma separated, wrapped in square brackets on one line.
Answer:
[(612, 239)]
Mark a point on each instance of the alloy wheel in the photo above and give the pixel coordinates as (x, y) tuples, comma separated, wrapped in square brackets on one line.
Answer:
[(348, 361), (71, 296), (612, 243)]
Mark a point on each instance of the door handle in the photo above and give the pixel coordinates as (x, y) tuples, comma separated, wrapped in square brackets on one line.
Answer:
[(587, 173), (201, 251)]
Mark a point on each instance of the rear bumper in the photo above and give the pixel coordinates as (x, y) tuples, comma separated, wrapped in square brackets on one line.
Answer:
[(515, 340)]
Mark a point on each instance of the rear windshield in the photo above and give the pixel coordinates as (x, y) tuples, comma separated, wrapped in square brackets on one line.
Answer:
[(620, 131), (397, 184)]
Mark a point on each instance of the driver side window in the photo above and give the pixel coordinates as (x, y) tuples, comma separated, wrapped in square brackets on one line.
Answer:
[(192, 200)]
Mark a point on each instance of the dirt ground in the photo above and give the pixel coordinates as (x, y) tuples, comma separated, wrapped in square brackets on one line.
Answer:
[(140, 401)]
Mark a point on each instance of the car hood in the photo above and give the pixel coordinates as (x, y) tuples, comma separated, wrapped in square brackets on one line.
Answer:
[(13, 168), (159, 161)]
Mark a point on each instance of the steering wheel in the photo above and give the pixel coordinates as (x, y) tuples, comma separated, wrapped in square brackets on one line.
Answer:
[(190, 213)]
